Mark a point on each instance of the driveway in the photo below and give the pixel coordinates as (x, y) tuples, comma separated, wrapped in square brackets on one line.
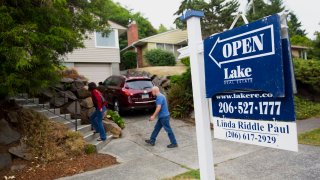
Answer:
[(233, 160)]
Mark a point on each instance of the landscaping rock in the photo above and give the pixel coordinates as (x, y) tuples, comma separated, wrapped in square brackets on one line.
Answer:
[(58, 101), (47, 93), (112, 128), (59, 86), (166, 84), (87, 103), (83, 93), (7, 134), (5, 160), (21, 151), (73, 108), (68, 94), (66, 80), (78, 84), (85, 115), (18, 167), (13, 117)]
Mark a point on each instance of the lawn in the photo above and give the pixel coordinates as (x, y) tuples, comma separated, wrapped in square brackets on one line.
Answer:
[(310, 138), (165, 70), (190, 175), (306, 109)]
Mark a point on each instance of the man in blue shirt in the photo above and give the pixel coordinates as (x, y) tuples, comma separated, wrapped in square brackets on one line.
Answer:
[(163, 119)]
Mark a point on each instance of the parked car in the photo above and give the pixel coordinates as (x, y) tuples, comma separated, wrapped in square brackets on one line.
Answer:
[(128, 93)]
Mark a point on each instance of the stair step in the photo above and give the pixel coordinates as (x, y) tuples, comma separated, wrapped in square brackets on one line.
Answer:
[(69, 123), (22, 101), (100, 144), (49, 112), (65, 116), (84, 128), (37, 106), (89, 136)]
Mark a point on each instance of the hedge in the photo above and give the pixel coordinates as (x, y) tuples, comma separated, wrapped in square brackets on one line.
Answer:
[(128, 60), (159, 57)]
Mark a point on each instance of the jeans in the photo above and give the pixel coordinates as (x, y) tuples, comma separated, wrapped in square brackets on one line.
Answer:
[(165, 123), (96, 121)]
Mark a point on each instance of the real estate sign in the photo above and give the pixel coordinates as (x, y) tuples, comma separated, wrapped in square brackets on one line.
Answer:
[(249, 78)]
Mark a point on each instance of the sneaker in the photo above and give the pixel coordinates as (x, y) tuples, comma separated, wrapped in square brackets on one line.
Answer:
[(172, 146), (149, 142)]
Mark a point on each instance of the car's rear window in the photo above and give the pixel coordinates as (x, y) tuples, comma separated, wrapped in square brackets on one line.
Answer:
[(139, 84)]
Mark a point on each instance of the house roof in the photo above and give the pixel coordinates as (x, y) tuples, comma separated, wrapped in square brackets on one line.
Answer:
[(299, 47), (121, 29), (176, 36)]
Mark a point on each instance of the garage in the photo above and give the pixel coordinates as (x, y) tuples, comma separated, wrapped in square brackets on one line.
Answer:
[(95, 72)]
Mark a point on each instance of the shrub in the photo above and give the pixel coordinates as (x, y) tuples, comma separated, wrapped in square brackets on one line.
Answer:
[(185, 61), (159, 57), (90, 149), (128, 60), (180, 95), (306, 108), (307, 74), (115, 117)]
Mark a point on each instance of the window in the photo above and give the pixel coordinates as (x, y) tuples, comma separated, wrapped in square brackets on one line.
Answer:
[(139, 84), (106, 41), (160, 46), (169, 47)]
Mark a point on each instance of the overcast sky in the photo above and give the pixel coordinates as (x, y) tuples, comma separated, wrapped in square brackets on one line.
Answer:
[(161, 11)]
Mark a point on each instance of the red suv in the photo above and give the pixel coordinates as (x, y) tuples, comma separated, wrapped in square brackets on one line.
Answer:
[(129, 93)]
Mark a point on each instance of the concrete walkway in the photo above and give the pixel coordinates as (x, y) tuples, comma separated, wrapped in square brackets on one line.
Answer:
[(139, 161)]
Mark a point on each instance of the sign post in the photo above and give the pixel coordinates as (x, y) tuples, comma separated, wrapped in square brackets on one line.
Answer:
[(202, 118)]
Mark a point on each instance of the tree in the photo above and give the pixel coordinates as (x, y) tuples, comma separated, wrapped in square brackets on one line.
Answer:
[(162, 28), (259, 8), (122, 16), (295, 26), (36, 34), (217, 14), (315, 52)]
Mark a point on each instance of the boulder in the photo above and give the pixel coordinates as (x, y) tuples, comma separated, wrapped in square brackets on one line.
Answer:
[(85, 115), (83, 93), (166, 84), (5, 160), (78, 84), (66, 80), (21, 151), (47, 93), (72, 108), (58, 101), (13, 116), (68, 94), (7, 134), (87, 103), (112, 128), (17, 167), (59, 86)]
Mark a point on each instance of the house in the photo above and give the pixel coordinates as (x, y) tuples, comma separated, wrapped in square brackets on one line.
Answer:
[(299, 51), (101, 56), (171, 41)]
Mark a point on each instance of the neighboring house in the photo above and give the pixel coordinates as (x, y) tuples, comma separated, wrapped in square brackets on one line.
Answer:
[(101, 56), (170, 41), (299, 51)]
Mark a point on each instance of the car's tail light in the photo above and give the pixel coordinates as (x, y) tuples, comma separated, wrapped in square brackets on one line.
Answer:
[(126, 92)]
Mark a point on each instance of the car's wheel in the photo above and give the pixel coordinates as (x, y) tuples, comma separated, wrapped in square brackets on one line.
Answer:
[(116, 106)]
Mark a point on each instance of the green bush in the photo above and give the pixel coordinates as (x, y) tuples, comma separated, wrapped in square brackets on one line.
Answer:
[(115, 117), (159, 57), (185, 61), (306, 108), (180, 95), (90, 149), (307, 74), (128, 60)]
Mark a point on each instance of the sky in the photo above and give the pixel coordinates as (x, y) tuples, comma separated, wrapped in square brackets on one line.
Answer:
[(161, 11)]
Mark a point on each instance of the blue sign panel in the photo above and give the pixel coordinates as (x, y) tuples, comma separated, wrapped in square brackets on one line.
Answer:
[(246, 58), (259, 105)]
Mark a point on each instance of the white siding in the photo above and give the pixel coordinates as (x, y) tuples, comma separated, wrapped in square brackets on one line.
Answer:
[(91, 53), (95, 72)]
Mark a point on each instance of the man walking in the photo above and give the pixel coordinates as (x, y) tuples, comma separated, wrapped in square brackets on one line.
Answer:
[(163, 119)]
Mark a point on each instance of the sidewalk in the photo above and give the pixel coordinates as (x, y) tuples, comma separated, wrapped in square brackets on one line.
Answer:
[(233, 160), (308, 124)]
